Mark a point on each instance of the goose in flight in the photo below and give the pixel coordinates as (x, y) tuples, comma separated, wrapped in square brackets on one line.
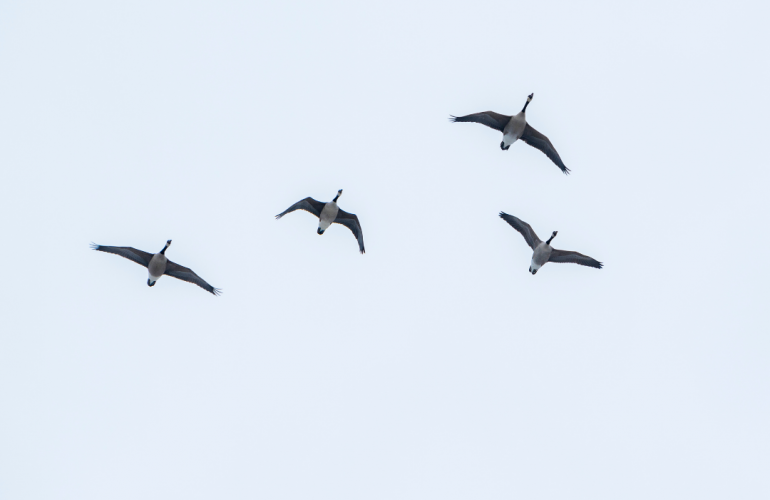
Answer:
[(543, 251), (327, 214), (514, 128), (157, 265)]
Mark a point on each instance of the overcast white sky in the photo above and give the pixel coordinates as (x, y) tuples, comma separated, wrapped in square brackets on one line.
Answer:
[(435, 366)]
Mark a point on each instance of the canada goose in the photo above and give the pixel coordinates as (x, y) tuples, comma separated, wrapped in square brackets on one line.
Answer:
[(157, 265), (514, 128), (328, 213), (543, 252)]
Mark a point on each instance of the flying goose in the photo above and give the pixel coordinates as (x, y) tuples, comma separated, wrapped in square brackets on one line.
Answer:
[(328, 213), (514, 128), (543, 251), (157, 265)]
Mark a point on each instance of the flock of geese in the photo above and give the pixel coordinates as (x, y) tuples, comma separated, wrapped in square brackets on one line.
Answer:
[(513, 128)]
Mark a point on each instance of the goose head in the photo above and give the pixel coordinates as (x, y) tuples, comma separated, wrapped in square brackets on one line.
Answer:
[(339, 193)]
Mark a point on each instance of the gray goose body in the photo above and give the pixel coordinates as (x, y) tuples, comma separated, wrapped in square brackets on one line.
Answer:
[(328, 214), (542, 251), (515, 128), (158, 265)]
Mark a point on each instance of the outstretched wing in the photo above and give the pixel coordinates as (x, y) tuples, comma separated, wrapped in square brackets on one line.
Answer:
[(351, 222), (488, 118), (541, 142), (525, 229), (573, 257), (141, 258), (185, 274), (308, 204)]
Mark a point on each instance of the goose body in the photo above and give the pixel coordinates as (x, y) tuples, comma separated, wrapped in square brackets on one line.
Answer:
[(156, 268), (542, 251), (540, 257), (158, 265), (514, 128), (328, 214)]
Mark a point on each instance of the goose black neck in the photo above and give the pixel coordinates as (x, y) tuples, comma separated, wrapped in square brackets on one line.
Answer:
[(163, 252), (529, 99), (549, 239), (336, 197)]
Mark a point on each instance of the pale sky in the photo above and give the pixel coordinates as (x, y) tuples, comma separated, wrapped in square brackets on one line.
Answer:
[(434, 366)]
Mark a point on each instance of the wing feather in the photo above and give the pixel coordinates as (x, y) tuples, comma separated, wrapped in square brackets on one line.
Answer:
[(488, 118), (541, 142), (562, 256), (186, 274), (138, 256), (351, 222), (308, 204), (525, 229)]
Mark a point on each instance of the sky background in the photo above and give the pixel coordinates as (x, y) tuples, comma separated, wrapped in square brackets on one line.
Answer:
[(434, 366)]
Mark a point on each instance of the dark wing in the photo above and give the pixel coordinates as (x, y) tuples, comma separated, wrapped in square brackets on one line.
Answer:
[(573, 257), (182, 273), (141, 258), (488, 118), (309, 204), (351, 222), (525, 229), (541, 142)]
